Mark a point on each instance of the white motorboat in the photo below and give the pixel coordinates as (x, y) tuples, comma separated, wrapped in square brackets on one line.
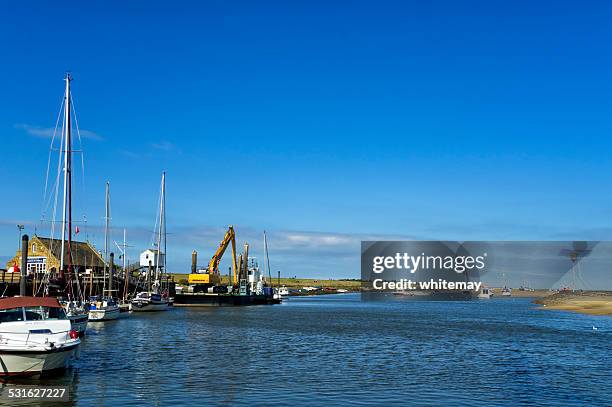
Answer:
[(103, 309), (506, 292), (35, 336), (485, 293), (281, 292), (145, 302)]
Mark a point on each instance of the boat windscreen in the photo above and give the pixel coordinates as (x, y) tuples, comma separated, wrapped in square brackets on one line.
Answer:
[(11, 315), (42, 313)]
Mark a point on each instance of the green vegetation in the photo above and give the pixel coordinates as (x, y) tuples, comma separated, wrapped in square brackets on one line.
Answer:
[(294, 282)]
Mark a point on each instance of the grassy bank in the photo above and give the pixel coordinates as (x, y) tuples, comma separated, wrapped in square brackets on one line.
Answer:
[(296, 283), (586, 302)]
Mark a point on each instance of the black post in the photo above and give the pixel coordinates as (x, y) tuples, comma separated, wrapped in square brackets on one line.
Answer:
[(24, 265), (110, 275), (149, 276), (194, 261), (278, 278)]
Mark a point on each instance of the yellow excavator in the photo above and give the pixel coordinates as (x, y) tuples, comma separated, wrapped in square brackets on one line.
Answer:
[(212, 276)]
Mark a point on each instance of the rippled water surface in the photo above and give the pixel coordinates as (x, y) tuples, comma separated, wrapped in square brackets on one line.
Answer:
[(338, 350)]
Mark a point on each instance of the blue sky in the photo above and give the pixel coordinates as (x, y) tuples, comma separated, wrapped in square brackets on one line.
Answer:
[(324, 123)]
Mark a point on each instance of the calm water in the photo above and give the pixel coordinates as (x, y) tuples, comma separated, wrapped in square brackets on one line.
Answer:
[(339, 350)]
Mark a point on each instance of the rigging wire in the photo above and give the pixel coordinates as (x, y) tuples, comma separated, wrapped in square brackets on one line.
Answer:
[(45, 202), (76, 123)]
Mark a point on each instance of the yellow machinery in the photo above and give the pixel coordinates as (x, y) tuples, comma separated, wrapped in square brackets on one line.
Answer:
[(212, 274)]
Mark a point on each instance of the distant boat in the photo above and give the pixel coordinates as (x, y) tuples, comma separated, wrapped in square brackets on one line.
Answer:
[(105, 307), (155, 298), (145, 301), (341, 291), (283, 291), (506, 292), (485, 293), (36, 336)]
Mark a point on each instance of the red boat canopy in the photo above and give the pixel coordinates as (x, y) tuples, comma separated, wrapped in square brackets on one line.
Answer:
[(16, 302)]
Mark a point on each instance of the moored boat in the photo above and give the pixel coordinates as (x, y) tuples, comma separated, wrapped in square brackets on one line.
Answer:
[(124, 309), (146, 302), (156, 297), (103, 309), (78, 315), (36, 337)]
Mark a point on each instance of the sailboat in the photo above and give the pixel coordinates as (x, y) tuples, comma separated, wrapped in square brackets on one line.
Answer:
[(125, 306), (75, 306), (155, 298), (105, 307)]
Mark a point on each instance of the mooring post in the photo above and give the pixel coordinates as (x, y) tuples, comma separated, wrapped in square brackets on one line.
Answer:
[(24, 265)]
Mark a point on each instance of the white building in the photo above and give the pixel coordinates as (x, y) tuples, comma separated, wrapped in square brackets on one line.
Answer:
[(151, 255)]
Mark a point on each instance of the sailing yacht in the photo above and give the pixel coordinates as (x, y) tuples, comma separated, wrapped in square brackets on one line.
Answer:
[(105, 307), (75, 307), (155, 298)]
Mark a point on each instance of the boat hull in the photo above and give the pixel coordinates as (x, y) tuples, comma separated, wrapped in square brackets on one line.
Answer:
[(149, 306), (30, 363), (103, 314), (222, 300)]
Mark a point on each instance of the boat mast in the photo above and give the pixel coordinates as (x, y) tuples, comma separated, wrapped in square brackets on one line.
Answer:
[(106, 223), (161, 230), (164, 219), (125, 272), (67, 199)]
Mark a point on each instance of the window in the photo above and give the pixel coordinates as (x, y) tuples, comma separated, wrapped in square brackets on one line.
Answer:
[(11, 315), (38, 313), (33, 247)]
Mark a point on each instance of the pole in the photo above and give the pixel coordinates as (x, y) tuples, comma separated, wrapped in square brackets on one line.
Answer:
[(24, 265), (267, 257), (20, 227)]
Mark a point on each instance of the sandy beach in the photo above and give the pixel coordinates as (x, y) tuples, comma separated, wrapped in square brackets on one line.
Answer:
[(587, 302)]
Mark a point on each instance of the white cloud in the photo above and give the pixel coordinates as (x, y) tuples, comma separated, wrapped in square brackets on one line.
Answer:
[(47, 132)]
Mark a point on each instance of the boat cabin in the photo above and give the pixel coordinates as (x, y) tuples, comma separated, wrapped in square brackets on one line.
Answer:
[(15, 309)]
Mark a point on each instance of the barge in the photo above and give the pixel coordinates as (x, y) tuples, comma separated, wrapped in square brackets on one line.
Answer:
[(220, 299)]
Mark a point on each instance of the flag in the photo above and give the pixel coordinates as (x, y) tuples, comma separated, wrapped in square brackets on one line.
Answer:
[(76, 230)]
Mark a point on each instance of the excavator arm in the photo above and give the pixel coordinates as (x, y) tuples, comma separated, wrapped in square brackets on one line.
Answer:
[(213, 266)]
